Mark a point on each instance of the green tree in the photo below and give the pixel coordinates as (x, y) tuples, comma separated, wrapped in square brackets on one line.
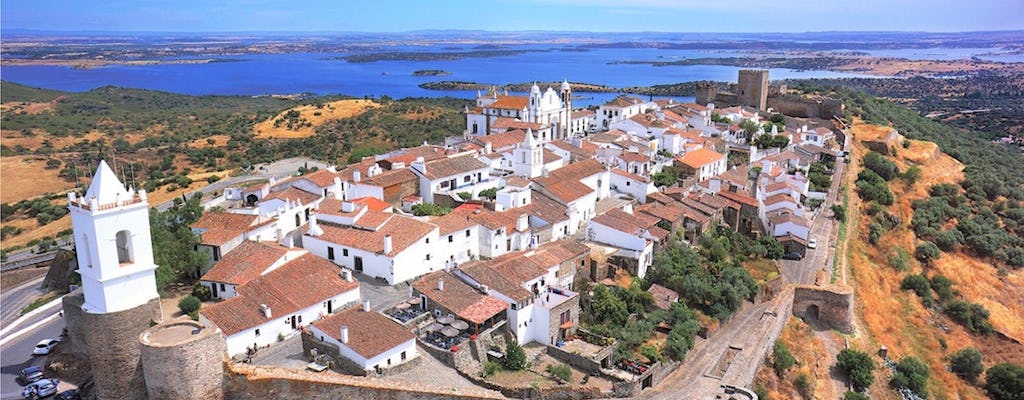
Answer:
[(429, 209), (855, 396), (803, 385), (563, 372), (880, 165), (943, 286), (966, 364), (857, 365), (972, 316), (912, 374), (1005, 382), (609, 308), (927, 251), (782, 358), (920, 285), (667, 177), (491, 193), (515, 356), (912, 175), (190, 305), (174, 243), (202, 292), (839, 212)]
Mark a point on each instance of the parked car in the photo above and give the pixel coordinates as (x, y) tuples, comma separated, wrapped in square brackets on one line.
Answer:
[(39, 389), (68, 395), (30, 374), (792, 256), (812, 244), (45, 346)]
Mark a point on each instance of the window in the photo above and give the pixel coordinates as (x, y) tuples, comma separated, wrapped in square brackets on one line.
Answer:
[(444, 184), (330, 253), (428, 257), (124, 247), (298, 220), (467, 178), (222, 287), (428, 240), (450, 239), (403, 356), (257, 333), (344, 252), (467, 232)]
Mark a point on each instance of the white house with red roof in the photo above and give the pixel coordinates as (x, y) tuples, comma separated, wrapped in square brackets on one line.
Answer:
[(621, 108), (449, 176), (702, 163), (632, 184), (278, 304), (246, 262), (633, 233), (367, 339)]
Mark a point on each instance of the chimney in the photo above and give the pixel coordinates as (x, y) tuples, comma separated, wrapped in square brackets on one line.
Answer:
[(419, 165), (314, 229), (357, 176), (440, 284), (366, 306), (266, 311), (523, 222), (387, 244), (344, 333), (347, 206), (346, 275), (628, 208)]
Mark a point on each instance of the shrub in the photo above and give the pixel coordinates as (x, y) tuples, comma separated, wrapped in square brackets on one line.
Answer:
[(515, 357), (855, 396), (880, 165), (803, 385), (651, 353), (782, 358), (1005, 382), (912, 175), (839, 212), (562, 372), (920, 285), (966, 364), (422, 209), (943, 287), (927, 251), (490, 368), (213, 178), (948, 240), (465, 195), (857, 365), (912, 374), (491, 193), (972, 316), (202, 292), (898, 260), (190, 305)]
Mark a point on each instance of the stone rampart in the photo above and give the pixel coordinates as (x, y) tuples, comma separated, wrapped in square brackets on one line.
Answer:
[(832, 305), (183, 360)]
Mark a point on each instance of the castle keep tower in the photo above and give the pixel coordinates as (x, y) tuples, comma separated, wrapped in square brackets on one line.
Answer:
[(752, 88), (118, 299)]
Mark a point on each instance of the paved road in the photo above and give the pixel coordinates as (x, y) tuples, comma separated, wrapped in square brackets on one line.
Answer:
[(17, 354), (749, 327), (13, 300)]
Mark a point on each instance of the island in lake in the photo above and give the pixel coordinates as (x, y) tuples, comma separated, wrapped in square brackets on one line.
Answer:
[(431, 72)]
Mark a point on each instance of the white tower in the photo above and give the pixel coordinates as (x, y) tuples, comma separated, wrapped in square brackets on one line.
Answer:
[(112, 239), (567, 101), (533, 113), (527, 158)]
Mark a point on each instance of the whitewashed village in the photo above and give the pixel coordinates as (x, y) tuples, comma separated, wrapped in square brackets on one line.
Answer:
[(447, 258)]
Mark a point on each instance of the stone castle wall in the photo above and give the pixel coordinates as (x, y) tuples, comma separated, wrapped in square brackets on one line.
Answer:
[(796, 106), (111, 342), (191, 368), (834, 304), (752, 88)]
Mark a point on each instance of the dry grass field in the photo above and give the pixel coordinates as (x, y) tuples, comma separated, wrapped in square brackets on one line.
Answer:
[(25, 177), (313, 116)]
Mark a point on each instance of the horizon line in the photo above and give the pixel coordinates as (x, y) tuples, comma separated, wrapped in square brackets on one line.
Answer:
[(295, 32)]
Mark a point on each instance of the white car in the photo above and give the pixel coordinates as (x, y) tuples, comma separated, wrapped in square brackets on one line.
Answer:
[(812, 244), (45, 347)]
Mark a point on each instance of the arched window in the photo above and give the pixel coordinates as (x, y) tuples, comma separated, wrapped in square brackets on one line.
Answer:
[(84, 248), (124, 247)]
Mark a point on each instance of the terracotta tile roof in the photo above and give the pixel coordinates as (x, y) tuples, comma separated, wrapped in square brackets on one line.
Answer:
[(369, 333), (372, 220), (547, 208), (504, 140), (445, 167), (700, 157), (649, 120), (582, 114), (790, 237), (697, 205), (494, 220), (738, 176), (548, 156), (741, 198), (517, 181), (555, 253), (404, 232), (693, 106), (244, 263), (778, 198), (390, 178), (578, 170), (632, 157), (627, 144), (510, 103), (695, 215), (663, 296), (671, 213), (607, 137), (221, 226), (623, 101), (322, 178), (372, 203), (775, 186), (575, 153), (454, 222), (628, 175), (495, 280), (409, 155), (334, 207), (463, 300), (512, 123), (285, 290), (625, 222), (660, 197), (780, 217), (565, 191), (293, 194)]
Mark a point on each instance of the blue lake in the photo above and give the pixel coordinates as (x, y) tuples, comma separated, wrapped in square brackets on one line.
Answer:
[(323, 73)]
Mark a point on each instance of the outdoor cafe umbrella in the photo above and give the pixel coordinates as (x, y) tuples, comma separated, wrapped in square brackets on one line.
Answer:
[(401, 306), (460, 325), (445, 319), (434, 327), (414, 301), (449, 331)]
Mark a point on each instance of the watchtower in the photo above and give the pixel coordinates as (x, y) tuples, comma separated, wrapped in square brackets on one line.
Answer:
[(752, 88)]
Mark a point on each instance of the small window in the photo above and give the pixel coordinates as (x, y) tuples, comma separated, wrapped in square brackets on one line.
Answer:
[(403, 356), (428, 240), (428, 257), (330, 253), (257, 333), (451, 238), (467, 178), (222, 287), (344, 252), (467, 232)]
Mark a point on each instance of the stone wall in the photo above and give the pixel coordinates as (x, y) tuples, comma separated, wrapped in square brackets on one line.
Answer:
[(833, 304), (244, 382), (64, 263), (184, 368), (752, 87), (796, 106), (112, 344), (589, 364)]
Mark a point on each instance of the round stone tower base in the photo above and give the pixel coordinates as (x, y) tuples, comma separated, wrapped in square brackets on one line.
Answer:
[(183, 360), (111, 341)]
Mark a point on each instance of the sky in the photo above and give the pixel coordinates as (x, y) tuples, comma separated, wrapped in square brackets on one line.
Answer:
[(512, 15)]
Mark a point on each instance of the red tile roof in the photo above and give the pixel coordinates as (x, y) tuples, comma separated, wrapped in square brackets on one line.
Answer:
[(700, 157), (404, 232), (221, 226), (510, 103), (456, 221), (578, 170), (623, 101), (293, 194), (671, 213), (244, 263), (663, 296), (373, 203), (285, 290), (628, 175), (625, 222), (369, 333), (446, 167), (778, 198), (512, 123), (322, 178), (390, 178), (582, 114), (463, 300), (741, 198), (504, 140), (565, 191), (632, 157)]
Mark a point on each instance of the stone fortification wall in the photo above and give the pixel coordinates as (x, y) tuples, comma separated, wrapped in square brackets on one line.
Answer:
[(245, 382), (796, 106), (752, 87), (183, 360), (833, 304), (112, 344)]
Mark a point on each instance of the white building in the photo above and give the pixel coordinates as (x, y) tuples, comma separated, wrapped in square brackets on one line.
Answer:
[(634, 234), (246, 262), (621, 108), (550, 109), (702, 163), (367, 339), (277, 305), (115, 252), (447, 176)]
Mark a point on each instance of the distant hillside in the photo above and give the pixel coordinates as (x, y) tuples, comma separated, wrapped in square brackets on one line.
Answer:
[(10, 91)]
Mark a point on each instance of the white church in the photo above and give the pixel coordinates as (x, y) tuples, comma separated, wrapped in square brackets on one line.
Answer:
[(551, 110)]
